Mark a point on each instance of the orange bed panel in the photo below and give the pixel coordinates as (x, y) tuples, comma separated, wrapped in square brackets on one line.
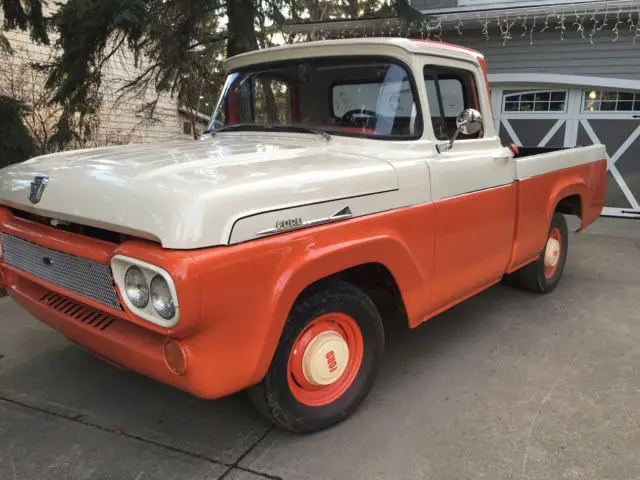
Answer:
[(539, 196)]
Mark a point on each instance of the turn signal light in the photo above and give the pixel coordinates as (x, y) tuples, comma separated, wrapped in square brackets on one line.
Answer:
[(175, 357)]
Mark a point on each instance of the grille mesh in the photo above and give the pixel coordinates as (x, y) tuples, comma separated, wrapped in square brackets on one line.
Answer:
[(75, 274)]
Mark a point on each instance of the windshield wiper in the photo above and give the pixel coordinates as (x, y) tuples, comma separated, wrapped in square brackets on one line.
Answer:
[(304, 128), (235, 126), (281, 128)]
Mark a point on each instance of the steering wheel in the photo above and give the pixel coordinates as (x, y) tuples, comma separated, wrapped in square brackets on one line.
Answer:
[(366, 116)]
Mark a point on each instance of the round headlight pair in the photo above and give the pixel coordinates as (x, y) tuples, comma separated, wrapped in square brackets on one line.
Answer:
[(138, 291)]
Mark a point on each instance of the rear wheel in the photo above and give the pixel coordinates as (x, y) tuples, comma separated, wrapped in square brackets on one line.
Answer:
[(543, 275), (326, 361)]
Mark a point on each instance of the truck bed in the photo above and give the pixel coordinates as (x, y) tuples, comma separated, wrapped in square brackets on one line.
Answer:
[(533, 161)]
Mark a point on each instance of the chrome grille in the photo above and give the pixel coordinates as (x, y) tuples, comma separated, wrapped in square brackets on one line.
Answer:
[(75, 274)]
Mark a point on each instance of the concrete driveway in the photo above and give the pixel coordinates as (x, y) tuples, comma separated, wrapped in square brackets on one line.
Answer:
[(508, 385)]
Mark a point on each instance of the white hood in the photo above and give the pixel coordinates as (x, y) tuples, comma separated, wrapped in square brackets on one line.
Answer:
[(188, 194)]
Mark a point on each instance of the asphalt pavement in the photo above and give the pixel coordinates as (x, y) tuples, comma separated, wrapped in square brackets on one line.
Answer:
[(507, 385)]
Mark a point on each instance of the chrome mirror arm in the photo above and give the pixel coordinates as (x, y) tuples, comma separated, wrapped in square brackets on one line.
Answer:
[(468, 122)]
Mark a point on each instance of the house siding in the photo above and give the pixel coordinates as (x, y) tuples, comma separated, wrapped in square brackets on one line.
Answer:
[(119, 121), (444, 6), (423, 5), (548, 54)]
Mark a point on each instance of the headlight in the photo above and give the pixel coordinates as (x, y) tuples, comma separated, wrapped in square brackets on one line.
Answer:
[(147, 290), (136, 287), (161, 297)]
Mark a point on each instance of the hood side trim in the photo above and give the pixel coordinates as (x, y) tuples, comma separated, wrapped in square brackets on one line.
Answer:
[(307, 224)]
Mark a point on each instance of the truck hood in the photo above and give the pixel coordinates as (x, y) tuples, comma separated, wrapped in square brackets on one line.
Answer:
[(188, 194)]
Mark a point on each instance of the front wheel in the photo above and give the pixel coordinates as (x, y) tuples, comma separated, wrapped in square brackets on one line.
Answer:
[(543, 275), (326, 361)]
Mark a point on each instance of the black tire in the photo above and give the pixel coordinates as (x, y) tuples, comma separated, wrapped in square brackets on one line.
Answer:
[(273, 396), (532, 277)]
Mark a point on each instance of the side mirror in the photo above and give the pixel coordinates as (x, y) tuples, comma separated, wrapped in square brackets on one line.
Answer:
[(467, 123)]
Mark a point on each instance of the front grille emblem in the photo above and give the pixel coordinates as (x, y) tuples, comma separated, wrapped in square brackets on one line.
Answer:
[(47, 261), (37, 188)]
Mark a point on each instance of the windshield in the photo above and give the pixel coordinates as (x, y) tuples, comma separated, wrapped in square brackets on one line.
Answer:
[(361, 96)]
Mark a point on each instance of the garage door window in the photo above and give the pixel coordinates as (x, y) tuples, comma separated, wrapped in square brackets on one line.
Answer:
[(610, 101), (532, 101)]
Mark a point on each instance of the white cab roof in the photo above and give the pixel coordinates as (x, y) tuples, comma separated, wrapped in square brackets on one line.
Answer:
[(352, 46)]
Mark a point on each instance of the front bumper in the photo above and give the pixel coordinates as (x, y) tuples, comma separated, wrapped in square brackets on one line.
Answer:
[(107, 336), (120, 337)]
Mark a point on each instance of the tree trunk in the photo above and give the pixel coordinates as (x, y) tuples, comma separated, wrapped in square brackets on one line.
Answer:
[(272, 108), (241, 33)]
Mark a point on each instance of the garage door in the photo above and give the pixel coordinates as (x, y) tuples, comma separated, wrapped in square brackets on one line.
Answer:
[(557, 117)]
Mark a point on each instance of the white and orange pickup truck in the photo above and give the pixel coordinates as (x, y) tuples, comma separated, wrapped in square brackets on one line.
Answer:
[(340, 184)]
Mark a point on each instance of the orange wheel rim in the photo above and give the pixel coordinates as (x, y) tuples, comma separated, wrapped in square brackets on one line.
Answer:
[(319, 371), (552, 253)]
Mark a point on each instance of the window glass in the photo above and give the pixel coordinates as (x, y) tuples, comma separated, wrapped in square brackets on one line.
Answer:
[(271, 101), (534, 101), (449, 92), (367, 96), (610, 101), (452, 96), (244, 100), (388, 100)]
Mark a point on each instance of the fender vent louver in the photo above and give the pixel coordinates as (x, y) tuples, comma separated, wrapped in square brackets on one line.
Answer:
[(78, 311)]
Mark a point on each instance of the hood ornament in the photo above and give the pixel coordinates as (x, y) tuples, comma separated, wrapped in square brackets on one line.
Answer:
[(37, 188)]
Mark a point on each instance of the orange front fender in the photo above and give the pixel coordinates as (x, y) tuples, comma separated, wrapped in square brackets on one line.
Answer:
[(322, 258), (248, 289)]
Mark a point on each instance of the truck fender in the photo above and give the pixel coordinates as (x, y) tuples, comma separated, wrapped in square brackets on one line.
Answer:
[(573, 185), (321, 260)]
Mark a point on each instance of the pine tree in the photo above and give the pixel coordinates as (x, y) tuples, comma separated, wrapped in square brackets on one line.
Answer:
[(16, 144), (177, 44), (24, 15)]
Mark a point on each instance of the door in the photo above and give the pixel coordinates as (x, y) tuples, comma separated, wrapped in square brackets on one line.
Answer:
[(473, 190), (612, 118)]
